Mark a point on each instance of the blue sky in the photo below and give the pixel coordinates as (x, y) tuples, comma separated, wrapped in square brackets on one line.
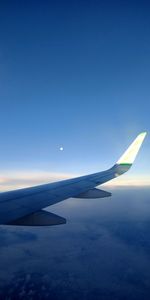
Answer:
[(73, 74)]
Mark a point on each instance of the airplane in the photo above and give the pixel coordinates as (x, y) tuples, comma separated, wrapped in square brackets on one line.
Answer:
[(25, 206)]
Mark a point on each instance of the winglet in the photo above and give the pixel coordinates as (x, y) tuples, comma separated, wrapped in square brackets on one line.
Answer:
[(130, 154)]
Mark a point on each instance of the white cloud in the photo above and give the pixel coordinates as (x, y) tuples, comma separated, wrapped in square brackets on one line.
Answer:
[(129, 180), (20, 179)]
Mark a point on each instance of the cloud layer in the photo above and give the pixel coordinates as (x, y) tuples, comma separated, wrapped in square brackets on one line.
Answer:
[(10, 180)]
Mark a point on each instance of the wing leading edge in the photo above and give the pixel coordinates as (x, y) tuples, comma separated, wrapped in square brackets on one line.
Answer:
[(24, 206)]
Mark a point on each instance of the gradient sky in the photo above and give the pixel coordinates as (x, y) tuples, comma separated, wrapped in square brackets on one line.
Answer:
[(74, 74)]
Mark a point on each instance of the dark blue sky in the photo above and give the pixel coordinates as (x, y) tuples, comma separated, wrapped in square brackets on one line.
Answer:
[(73, 73)]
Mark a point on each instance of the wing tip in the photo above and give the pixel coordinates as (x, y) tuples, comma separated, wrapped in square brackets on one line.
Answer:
[(143, 133), (130, 154)]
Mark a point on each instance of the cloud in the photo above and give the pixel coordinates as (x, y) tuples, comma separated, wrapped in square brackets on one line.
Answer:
[(20, 179), (130, 180), (14, 235), (10, 180)]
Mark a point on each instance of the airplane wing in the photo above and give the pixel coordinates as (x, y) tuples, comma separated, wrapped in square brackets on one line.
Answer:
[(25, 206)]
